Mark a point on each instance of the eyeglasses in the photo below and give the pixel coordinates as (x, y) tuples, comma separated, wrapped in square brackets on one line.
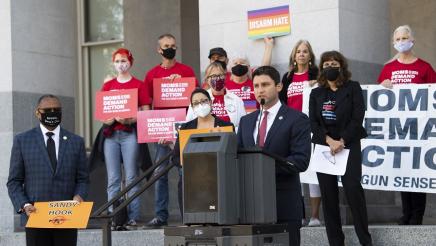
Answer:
[(216, 76), (48, 110), (202, 102)]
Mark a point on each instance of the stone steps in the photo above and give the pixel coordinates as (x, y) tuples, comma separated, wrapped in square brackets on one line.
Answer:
[(389, 235)]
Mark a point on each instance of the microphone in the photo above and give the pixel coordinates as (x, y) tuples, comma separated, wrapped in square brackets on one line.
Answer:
[(262, 102)]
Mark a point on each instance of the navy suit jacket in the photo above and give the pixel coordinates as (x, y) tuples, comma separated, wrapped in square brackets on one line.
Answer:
[(31, 175), (288, 137)]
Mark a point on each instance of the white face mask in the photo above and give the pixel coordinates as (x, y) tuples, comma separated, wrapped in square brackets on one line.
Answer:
[(122, 67), (202, 110), (403, 46)]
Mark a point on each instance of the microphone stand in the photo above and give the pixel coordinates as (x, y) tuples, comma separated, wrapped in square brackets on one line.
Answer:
[(262, 102)]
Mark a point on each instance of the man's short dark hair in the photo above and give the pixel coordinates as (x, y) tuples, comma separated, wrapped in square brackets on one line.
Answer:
[(268, 70), (166, 35), (45, 96)]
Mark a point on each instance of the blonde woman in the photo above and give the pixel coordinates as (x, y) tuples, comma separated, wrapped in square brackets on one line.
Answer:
[(406, 68), (225, 105), (413, 69)]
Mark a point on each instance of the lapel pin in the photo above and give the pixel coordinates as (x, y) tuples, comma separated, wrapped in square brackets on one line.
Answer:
[(280, 117), (65, 138)]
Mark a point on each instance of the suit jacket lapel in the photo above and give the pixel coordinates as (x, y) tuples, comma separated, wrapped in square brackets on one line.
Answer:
[(279, 119), (251, 127), (43, 148), (63, 141), (341, 94)]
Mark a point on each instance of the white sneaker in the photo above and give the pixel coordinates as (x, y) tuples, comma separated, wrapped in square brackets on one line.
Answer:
[(314, 222)]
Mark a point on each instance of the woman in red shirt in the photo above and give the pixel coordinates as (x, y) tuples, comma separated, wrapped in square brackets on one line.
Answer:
[(302, 72), (120, 144), (406, 68)]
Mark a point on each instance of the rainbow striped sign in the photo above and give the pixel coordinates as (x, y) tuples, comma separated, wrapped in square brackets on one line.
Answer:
[(269, 22)]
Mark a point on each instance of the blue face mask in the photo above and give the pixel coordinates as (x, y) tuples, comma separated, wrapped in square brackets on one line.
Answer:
[(403, 46)]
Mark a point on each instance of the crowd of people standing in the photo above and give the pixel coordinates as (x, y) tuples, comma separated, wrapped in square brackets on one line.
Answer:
[(335, 120)]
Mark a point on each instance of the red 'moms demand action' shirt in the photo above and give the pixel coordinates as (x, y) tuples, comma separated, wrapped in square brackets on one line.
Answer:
[(159, 72), (295, 90), (245, 91), (219, 109), (418, 72), (134, 83)]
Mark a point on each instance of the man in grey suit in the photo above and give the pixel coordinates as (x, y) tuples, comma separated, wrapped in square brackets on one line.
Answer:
[(47, 163)]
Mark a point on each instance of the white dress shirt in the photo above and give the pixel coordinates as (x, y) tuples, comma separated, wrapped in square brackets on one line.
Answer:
[(272, 113), (55, 137)]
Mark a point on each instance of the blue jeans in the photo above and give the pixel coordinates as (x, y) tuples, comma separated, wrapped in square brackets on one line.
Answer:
[(122, 145), (161, 195)]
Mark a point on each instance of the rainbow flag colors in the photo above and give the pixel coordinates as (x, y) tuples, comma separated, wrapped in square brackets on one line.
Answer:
[(270, 22), (250, 106)]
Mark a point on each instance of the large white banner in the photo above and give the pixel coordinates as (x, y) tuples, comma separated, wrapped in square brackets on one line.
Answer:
[(399, 153)]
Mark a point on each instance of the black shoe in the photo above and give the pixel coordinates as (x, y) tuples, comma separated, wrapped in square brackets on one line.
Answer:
[(156, 223), (403, 221)]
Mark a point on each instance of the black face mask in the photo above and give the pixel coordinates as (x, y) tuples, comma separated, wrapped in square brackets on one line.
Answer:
[(51, 119), (169, 53), (331, 73), (239, 70), (223, 64)]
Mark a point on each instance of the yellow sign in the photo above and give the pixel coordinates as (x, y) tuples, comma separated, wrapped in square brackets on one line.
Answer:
[(185, 134), (60, 214)]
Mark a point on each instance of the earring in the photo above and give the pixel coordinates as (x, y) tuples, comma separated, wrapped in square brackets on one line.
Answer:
[(295, 63), (310, 63)]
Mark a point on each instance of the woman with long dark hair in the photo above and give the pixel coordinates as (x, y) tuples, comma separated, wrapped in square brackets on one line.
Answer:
[(336, 112)]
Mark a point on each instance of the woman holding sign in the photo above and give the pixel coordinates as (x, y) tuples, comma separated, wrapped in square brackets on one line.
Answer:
[(336, 111), (120, 144), (201, 104), (302, 73), (225, 105), (406, 68)]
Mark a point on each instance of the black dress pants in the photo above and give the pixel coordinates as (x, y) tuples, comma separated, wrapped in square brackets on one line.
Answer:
[(51, 237), (355, 198), (294, 227), (413, 207)]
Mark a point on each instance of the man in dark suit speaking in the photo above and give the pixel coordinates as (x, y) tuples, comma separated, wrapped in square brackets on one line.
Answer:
[(48, 163), (285, 132)]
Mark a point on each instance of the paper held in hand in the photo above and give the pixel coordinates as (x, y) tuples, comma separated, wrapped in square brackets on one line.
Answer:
[(60, 214), (322, 161)]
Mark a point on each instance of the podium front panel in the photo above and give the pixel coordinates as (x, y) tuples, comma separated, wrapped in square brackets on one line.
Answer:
[(200, 186), (210, 179), (258, 188)]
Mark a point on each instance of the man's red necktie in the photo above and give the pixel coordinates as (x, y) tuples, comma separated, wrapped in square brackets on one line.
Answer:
[(262, 129)]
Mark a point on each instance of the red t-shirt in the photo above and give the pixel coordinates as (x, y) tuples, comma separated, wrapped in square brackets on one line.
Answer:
[(159, 72), (218, 108), (134, 83), (418, 72), (245, 91), (295, 91)]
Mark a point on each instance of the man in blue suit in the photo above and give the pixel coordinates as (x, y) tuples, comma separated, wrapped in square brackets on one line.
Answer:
[(48, 163), (286, 133)]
